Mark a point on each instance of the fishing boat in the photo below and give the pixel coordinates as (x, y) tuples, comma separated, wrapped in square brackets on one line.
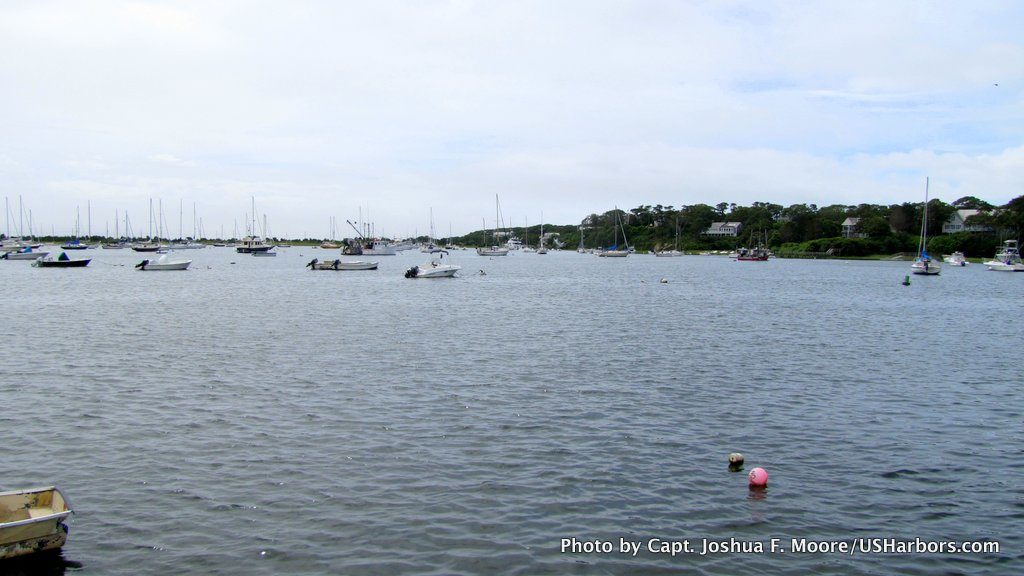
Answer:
[(496, 249), (253, 244), (924, 265), (956, 259), (614, 251), (337, 264), (163, 262), (26, 253), (61, 261), (32, 520), (1007, 259), (433, 269)]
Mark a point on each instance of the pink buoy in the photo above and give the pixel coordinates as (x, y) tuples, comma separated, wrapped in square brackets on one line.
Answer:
[(758, 478)]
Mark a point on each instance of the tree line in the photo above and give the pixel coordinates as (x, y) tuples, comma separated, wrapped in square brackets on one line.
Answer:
[(886, 229)]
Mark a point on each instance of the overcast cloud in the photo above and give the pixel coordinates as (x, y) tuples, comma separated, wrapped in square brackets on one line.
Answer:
[(567, 107)]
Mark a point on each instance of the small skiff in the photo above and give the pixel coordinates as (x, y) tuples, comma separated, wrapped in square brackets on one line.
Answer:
[(32, 520)]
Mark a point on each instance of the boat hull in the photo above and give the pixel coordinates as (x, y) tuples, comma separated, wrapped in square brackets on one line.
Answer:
[(492, 251), (146, 265), (25, 255), (342, 265), (1004, 267), (919, 268), (41, 263), (613, 254), (32, 521), (668, 254), (433, 271)]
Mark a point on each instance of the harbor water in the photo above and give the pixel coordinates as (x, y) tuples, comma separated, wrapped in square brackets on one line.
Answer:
[(251, 416)]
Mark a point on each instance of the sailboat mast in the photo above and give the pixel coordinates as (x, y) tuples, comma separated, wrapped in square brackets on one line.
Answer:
[(923, 241)]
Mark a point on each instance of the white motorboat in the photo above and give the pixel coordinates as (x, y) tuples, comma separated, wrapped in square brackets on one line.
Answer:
[(1007, 260), (163, 262), (924, 265), (433, 269), (956, 259), (336, 264), (26, 253), (32, 521), (265, 253)]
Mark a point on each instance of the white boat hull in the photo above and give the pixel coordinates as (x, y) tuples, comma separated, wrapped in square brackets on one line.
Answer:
[(163, 264), (492, 251), (433, 270), (613, 254), (931, 269), (1004, 267), (343, 265), (25, 255), (668, 253)]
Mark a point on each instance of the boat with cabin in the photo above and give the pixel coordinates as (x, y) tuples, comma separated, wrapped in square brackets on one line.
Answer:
[(956, 259), (1007, 259)]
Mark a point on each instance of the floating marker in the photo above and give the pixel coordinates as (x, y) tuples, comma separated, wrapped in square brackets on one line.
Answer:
[(758, 478), (735, 462), (906, 280)]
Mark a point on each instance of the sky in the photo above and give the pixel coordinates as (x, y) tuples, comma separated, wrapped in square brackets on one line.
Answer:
[(397, 112)]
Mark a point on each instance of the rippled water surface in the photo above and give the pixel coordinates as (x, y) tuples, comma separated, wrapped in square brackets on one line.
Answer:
[(249, 416)]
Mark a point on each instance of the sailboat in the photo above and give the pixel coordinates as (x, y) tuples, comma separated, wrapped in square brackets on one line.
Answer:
[(613, 251), (675, 251), (149, 245), (526, 237), (496, 249), (581, 249), (540, 245), (430, 247), (924, 265)]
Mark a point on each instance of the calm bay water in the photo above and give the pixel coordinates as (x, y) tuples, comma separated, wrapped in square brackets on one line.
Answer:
[(250, 416)]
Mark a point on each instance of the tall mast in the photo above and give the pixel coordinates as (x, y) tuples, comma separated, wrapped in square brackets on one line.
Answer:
[(88, 209), (21, 210), (923, 242)]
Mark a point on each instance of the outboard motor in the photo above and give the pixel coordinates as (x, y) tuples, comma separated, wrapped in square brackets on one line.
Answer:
[(312, 264), (336, 263), (412, 272), (142, 265)]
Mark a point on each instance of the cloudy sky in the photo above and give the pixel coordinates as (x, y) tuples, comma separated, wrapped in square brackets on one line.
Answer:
[(566, 107)]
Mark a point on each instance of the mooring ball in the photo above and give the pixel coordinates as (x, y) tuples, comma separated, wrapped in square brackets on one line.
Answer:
[(735, 458), (758, 478)]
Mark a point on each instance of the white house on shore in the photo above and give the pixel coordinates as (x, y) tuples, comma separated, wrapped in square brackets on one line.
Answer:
[(850, 229), (957, 223), (724, 229)]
